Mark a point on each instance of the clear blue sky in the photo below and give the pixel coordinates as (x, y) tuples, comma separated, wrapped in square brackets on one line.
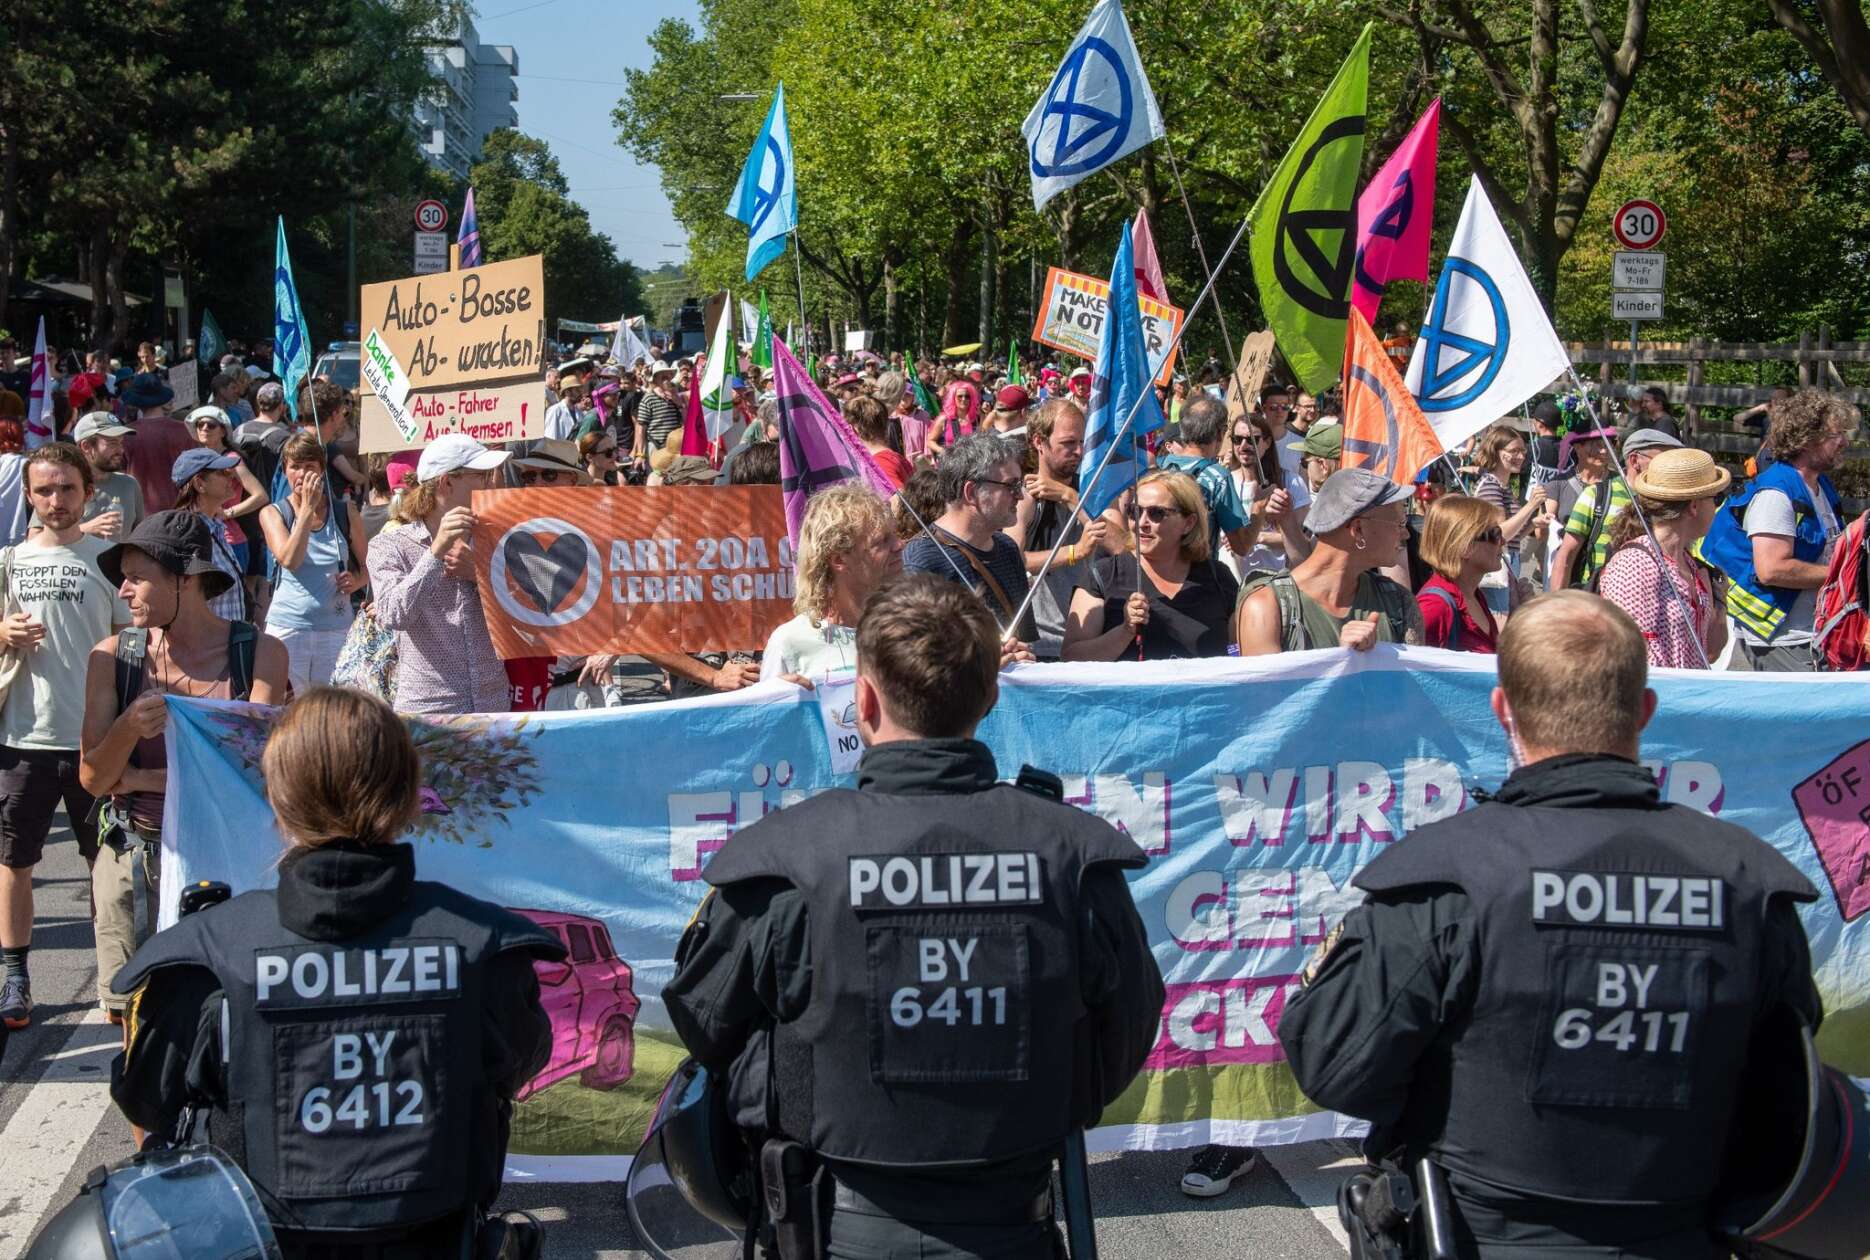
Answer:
[(572, 55)]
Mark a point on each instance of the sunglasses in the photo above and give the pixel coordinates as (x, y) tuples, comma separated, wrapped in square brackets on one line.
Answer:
[(541, 477), (1492, 535), (1156, 514), (603, 450)]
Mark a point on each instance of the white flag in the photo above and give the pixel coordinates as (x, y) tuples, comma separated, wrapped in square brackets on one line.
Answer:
[(749, 319), (39, 413), (717, 400), (1097, 108), (626, 347), (1487, 345)]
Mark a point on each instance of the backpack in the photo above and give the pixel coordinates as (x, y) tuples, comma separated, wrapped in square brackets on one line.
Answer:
[(1841, 642), (1446, 596), (133, 651), (260, 443), (1292, 634)]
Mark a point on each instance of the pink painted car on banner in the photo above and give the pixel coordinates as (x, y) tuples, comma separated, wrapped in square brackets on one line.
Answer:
[(591, 1002)]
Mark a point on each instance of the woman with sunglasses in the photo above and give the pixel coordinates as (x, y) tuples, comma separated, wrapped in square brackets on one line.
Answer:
[(597, 451), (1277, 495), (1462, 539), (210, 427), (1168, 601)]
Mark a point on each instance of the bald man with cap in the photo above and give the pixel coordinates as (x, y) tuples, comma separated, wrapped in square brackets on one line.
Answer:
[(1546, 1004)]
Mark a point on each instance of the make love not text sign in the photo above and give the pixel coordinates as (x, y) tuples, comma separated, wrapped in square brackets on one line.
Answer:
[(1071, 318), (577, 569)]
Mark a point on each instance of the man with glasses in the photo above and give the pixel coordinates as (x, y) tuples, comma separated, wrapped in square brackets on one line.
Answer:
[(1774, 538), (553, 462), (980, 483)]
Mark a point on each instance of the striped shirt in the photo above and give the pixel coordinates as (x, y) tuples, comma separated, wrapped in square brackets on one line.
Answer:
[(1578, 525)]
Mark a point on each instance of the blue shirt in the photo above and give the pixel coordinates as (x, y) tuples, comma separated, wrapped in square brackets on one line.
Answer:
[(1225, 511)]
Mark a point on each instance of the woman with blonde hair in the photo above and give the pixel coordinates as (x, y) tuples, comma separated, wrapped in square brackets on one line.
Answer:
[(221, 1031), (1167, 601), (1461, 541), (848, 546)]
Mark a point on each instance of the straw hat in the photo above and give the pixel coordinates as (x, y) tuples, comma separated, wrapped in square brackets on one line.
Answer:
[(1681, 476)]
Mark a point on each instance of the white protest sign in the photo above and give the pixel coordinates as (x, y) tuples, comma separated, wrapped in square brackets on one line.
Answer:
[(837, 706), (185, 380), (389, 383)]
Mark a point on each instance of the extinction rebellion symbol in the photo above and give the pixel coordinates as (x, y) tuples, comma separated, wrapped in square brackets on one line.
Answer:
[(1072, 152), (546, 575), (1382, 455), (1457, 367), (1331, 298), (764, 198)]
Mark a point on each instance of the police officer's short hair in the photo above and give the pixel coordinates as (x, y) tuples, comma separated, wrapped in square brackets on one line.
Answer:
[(932, 649), (340, 765), (976, 457), (1203, 419), (1574, 668)]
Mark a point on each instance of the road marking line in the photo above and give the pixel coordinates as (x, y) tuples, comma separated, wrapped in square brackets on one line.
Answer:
[(51, 1127), (1313, 1171)]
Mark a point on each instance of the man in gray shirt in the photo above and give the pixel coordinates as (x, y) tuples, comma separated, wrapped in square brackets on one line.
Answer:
[(116, 503)]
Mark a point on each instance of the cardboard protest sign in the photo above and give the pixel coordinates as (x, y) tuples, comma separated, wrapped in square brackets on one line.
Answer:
[(185, 380), (1071, 318), (460, 352), (574, 570)]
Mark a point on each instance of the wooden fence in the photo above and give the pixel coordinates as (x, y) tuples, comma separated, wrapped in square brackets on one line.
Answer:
[(1815, 356)]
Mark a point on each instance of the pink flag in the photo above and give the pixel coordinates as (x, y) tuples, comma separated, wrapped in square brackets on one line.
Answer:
[(1149, 280), (1394, 215), (817, 447), (694, 432), (39, 402)]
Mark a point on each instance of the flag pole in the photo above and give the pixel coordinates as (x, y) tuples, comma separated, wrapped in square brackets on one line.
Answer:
[(798, 270), (1201, 252), (1665, 565), (1117, 438)]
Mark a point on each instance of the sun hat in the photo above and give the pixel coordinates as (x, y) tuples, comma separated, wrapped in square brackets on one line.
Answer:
[(1346, 495), (146, 389), (688, 470), (1681, 476), (1080, 371), (454, 451), (555, 455), (178, 540), (208, 411)]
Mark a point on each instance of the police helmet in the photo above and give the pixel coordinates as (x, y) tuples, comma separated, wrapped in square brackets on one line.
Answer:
[(690, 1189), (189, 1203), (1798, 1183)]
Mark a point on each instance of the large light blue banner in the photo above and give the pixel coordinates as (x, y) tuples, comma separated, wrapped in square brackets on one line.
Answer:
[(1257, 787)]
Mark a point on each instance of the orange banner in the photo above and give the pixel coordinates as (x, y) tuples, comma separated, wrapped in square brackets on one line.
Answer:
[(573, 570), (1384, 430)]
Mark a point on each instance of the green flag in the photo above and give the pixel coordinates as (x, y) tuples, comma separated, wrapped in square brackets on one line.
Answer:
[(761, 354), (1013, 376), (923, 398), (211, 345), (1304, 228)]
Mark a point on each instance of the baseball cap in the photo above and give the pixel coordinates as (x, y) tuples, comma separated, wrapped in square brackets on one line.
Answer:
[(454, 451), (1649, 440), (99, 424), (1012, 398), (1346, 495), (1080, 371), (259, 373), (178, 540), (1324, 441), (196, 460), (270, 394)]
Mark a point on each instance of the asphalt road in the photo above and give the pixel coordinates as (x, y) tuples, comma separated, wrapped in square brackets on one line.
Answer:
[(56, 1123)]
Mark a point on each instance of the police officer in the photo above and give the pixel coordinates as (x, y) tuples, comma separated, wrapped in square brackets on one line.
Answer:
[(920, 988), (1551, 996), (355, 1038)]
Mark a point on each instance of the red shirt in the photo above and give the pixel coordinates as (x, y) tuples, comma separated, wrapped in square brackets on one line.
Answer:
[(1438, 618), (151, 453)]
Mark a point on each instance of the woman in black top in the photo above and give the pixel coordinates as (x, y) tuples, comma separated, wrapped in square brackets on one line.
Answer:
[(1179, 604)]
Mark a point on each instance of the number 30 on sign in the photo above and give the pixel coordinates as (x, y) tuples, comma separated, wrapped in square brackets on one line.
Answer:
[(1639, 224)]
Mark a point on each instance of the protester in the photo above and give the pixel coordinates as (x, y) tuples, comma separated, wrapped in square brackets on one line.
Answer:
[(15, 503), (1335, 596), (1586, 545), (1462, 539), (155, 441), (1194, 451), (932, 1159), (1774, 538), (318, 541), (116, 504), (1547, 464), (1261, 479), (423, 583), (1653, 413), (204, 481), (657, 416), (554, 462), (1009, 409), (597, 452), (166, 573), (212, 427), (911, 422), (1322, 453), (1442, 1008), (1675, 600), (210, 1043), (871, 423), (980, 487), (563, 417), (1049, 509), (1169, 600), (847, 548), (1501, 456), (960, 412), (63, 606), (1079, 384)]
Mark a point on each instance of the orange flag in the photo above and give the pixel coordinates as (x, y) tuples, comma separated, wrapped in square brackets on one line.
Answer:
[(1384, 430)]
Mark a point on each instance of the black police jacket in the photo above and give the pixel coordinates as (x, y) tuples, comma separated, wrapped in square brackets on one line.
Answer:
[(1552, 994), (951, 970), (353, 1039)]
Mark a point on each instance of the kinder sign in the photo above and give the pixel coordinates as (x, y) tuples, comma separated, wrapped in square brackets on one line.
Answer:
[(577, 569), (459, 352), (1071, 318)]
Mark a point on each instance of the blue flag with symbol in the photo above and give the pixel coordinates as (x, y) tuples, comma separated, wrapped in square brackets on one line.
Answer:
[(1121, 377), (469, 237), (767, 197), (1097, 108), (292, 340)]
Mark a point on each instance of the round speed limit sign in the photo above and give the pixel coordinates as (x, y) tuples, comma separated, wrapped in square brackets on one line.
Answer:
[(431, 216), (1639, 224)]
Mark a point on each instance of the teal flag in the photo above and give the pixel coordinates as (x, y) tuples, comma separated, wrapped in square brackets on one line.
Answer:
[(211, 345), (766, 198), (292, 340)]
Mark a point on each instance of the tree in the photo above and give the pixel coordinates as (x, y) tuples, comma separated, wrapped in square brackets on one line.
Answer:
[(1839, 43)]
